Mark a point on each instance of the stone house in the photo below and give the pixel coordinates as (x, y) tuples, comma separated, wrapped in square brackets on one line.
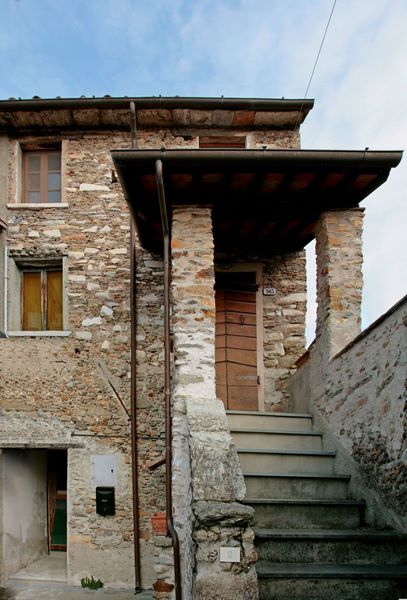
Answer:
[(153, 299)]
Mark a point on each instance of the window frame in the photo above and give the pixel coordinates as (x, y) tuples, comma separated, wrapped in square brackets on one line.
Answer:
[(17, 267), (44, 172), (44, 293)]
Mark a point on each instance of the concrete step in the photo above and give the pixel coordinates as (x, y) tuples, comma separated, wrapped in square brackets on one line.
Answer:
[(261, 420), (286, 461), (346, 546), (331, 582), (296, 485), (307, 514), (272, 439)]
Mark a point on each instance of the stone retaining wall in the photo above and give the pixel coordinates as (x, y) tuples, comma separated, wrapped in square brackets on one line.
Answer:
[(360, 399)]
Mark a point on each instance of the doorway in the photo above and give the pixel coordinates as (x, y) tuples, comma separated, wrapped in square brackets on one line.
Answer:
[(238, 380), (57, 499), (33, 510)]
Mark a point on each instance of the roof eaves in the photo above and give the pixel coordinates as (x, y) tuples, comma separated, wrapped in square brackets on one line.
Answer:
[(261, 104)]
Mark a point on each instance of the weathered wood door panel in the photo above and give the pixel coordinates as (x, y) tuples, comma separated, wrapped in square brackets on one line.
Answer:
[(237, 378)]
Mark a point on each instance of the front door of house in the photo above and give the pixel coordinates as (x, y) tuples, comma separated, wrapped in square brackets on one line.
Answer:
[(237, 379)]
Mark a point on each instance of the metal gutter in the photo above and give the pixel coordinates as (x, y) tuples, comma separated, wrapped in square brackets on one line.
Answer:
[(157, 102), (167, 385), (288, 158)]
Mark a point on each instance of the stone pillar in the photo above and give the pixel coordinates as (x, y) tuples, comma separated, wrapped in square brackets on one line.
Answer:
[(339, 278), (207, 476)]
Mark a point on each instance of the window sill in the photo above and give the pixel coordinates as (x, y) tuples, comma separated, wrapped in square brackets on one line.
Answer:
[(37, 205), (38, 333)]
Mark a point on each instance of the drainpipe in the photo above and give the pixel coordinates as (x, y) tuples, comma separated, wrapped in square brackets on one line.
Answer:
[(167, 393), (5, 315), (134, 453), (133, 124)]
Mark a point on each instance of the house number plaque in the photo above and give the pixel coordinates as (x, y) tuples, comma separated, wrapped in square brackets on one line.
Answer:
[(269, 291)]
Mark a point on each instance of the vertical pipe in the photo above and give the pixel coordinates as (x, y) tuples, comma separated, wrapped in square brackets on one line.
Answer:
[(167, 384), (5, 314), (136, 535), (133, 124), (134, 454)]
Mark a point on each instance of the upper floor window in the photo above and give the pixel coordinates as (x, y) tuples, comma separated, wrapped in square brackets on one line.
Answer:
[(41, 177)]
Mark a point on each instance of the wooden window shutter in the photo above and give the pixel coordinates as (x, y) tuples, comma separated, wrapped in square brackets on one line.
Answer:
[(32, 301), (54, 301), (222, 141)]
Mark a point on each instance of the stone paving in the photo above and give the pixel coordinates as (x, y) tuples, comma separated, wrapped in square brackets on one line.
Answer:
[(47, 590)]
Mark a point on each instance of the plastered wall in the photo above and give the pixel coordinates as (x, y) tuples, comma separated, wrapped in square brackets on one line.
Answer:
[(24, 500)]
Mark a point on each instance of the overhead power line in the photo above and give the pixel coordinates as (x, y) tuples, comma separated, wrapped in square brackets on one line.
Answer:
[(316, 61)]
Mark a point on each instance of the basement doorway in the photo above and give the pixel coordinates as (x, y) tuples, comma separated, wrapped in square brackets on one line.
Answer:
[(238, 340), (33, 504)]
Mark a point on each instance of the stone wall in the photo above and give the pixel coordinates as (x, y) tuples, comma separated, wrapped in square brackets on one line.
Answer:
[(360, 399), (67, 378), (213, 479), (283, 325), (55, 391), (339, 277)]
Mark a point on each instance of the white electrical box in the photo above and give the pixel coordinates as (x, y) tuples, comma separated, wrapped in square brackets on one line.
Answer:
[(103, 468), (229, 554)]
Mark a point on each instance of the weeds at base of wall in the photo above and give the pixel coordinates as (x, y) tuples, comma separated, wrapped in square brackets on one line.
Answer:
[(91, 583)]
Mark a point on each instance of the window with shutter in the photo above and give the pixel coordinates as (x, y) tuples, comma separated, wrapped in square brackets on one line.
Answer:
[(41, 306)]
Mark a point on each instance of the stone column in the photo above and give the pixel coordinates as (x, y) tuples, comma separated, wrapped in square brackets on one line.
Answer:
[(339, 278), (207, 476)]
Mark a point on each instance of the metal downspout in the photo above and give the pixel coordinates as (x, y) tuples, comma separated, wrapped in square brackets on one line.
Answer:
[(167, 393), (134, 453)]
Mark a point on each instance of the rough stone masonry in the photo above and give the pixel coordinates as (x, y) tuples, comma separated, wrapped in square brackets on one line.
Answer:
[(216, 519)]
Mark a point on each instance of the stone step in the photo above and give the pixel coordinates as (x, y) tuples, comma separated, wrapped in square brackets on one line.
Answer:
[(331, 582), (352, 546), (307, 514), (271, 439), (286, 461), (296, 485), (261, 420)]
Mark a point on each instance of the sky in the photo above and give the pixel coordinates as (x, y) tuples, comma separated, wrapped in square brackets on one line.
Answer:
[(240, 48)]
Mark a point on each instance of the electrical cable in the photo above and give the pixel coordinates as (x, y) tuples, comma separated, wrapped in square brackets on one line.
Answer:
[(315, 63)]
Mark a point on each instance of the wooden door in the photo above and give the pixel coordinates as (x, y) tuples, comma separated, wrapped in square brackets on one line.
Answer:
[(237, 378)]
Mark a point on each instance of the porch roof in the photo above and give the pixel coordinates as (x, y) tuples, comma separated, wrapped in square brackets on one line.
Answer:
[(264, 201)]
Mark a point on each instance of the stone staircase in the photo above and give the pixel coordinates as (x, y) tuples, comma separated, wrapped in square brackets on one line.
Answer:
[(311, 538)]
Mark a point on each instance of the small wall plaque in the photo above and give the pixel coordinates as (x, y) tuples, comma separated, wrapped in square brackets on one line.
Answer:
[(269, 291), (229, 554)]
